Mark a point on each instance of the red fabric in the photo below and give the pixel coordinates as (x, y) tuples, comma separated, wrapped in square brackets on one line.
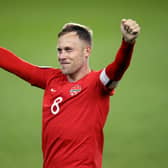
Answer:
[(31, 73), (72, 138), (116, 69)]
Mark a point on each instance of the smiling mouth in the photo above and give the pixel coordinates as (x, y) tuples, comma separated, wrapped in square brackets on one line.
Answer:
[(64, 63)]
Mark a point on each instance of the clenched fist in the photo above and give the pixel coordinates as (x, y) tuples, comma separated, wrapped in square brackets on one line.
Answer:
[(130, 30)]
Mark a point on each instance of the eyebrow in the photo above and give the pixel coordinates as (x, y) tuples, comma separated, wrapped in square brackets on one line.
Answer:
[(65, 48)]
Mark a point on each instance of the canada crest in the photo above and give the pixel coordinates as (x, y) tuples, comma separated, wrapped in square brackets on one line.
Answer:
[(75, 90)]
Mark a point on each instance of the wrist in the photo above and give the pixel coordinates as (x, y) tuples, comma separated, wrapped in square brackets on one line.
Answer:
[(126, 42), (130, 41)]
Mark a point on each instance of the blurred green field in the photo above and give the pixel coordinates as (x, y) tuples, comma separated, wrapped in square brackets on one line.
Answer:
[(136, 132)]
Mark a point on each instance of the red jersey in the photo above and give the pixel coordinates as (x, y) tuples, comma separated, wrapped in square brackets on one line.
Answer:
[(74, 113)]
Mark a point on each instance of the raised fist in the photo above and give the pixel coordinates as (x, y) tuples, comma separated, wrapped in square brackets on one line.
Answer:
[(129, 29)]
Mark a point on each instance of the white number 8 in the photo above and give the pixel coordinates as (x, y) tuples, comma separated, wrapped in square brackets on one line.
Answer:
[(55, 106)]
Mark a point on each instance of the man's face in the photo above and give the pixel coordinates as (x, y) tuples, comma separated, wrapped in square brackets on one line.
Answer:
[(72, 53)]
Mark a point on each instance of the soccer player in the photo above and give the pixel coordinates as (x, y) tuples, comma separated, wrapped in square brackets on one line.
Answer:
[(76, 98)]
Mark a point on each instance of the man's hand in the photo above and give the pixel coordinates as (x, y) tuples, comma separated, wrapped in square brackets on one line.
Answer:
[(129, 29)]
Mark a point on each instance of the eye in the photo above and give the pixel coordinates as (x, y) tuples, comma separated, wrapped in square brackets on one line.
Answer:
[(68, 49), (59, 50)]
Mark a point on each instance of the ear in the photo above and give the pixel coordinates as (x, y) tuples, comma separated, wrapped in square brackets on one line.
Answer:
[(87, 51)]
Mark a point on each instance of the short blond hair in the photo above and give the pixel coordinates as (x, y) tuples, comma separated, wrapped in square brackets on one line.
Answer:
[(83, 32)]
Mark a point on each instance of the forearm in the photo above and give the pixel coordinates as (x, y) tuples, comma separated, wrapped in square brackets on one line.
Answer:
[(30, 73), (13, 64), (116, 70)]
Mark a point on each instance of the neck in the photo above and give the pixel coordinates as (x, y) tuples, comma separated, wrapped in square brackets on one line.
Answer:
[(78, 75)]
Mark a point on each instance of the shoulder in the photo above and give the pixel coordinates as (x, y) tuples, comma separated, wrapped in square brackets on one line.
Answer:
[(97, 78), (55, 75), (94, 74), (91, 79), (53, 72), (50, 69)]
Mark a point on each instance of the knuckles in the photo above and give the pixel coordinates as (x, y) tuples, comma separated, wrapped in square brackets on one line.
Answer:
[(131, 26)]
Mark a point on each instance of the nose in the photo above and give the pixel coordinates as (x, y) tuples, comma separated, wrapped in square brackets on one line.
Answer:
[(62, 55)]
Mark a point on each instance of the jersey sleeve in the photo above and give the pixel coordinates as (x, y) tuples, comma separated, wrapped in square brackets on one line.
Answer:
[(112, 74), (33, 74)]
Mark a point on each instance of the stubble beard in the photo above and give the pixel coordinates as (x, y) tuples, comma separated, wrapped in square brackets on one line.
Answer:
[(70, 72)]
